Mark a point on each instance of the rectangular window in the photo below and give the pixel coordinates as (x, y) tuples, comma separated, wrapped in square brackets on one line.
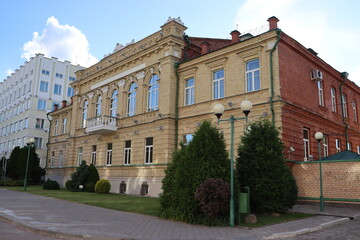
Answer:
[(218, 84), (321, 93), (189, 92), (53, 106), (26, 122), (325, 146), (59, 75), (253, 75), (57, 89), (38, 142), (72, 78), (358, 149), (344, 104), (56, 125), (61, 156), (353, 104), (349, 146), (63, 126), (149, 150), (45, 72), (70, 92), (44, 86), (338, 145), (80, 155), (41, 105), (127, 153), (109, 154), (39, 123), (52, 159), (93, 155), (29, 89), (306, 136)]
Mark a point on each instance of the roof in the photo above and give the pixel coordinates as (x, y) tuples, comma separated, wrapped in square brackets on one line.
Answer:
[(344, 155)]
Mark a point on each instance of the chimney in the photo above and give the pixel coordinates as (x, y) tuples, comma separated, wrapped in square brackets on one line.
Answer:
[(63, 103), (56, 107), (273, 22), (235, 36), (204, 47)]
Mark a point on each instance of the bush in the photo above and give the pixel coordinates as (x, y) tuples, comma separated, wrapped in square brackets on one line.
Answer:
[(68, 184), (11, 183), (261, 166), (203, 158), (93, 177), (213, 196), (51, 185), (79, 177), (90, 187), (102, 186)]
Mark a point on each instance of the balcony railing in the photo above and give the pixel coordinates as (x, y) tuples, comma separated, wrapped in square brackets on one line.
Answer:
[(101, 124)]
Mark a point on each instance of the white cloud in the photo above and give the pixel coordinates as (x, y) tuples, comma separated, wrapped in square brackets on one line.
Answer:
[(62, 41), (314, 24)]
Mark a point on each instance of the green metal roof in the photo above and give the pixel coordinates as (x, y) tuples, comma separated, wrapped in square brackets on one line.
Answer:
[(344, 155)]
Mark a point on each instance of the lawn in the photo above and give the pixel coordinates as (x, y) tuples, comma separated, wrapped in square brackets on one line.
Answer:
[(138, 204)]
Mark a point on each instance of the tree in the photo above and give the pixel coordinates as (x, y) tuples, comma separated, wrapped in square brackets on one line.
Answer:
[(261, 166), (79, 177), (93, 178), (205, 157)]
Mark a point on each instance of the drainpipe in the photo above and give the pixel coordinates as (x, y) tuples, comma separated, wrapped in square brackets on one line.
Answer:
[(344, 76), (177, 105), (47, 147), (278, 33)]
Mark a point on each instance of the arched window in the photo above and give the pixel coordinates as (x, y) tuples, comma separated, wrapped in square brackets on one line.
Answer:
[(98, 106), (153, 93), (84, 114), (132, 100), (113, 103)]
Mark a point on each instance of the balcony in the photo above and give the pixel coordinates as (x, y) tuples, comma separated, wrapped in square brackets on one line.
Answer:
[(101, 124)]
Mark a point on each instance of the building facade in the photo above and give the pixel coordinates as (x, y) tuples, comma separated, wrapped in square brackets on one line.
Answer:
[(131, 110), (26, 96)]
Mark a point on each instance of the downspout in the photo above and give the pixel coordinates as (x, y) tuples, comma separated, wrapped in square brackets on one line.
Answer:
[(344, 76), (47, 147), (177, 105), (278, 33)]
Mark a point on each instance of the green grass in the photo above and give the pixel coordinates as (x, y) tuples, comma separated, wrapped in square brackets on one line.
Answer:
[(142, 205), (135, 204)]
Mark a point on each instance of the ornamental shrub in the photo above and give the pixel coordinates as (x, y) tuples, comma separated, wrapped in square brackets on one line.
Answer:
[(79, 177), (51, 185), (93, 177), (69, 184), (213, 196), (102, 186), (204, 157), (261, 166)]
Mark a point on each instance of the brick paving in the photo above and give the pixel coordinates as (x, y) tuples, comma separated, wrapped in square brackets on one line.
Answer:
[(67, 219)]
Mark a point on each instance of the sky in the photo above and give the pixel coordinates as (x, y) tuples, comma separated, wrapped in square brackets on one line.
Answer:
[(83, 31)]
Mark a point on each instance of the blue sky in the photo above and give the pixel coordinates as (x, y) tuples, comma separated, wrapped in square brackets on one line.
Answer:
[(82, 31)]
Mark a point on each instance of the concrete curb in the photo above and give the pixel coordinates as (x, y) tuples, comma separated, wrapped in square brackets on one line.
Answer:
[(64, 236), (308, 230)]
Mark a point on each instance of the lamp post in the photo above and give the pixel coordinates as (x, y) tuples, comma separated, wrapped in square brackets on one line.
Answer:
[(319, 136), (246, 106), (29, 143)]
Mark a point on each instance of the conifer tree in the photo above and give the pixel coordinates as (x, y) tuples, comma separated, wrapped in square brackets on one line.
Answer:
[(261, 166)]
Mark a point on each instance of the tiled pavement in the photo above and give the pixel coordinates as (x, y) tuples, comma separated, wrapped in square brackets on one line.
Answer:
[(67, 219)]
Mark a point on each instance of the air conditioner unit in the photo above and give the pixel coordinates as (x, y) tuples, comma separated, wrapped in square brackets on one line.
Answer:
[(316, 75)]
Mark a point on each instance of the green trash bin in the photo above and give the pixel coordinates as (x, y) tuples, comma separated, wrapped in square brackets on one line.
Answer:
[(244, 200)]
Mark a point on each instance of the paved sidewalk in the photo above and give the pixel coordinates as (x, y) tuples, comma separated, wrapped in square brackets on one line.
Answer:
[(70, 220)]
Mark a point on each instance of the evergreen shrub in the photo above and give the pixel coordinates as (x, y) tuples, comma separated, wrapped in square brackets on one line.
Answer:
[(103, 186), (51, 185)]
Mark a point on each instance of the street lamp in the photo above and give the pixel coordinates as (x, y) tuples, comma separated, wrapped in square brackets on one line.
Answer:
[(319, 136), (29, 143), (246, 106)]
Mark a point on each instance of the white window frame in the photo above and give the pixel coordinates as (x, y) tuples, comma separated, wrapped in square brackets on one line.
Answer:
[(39, 124), (57, 89), (70, 92), (44, 86), (344, 103), (127, 153), (132, 100), (109, 154), (52, 159), (41, 105), (354, 107), (153, 93), (349, 146), (93, 154), (84, 114), (333, 99), (114, 103), (56, 127), (218, 84), (325, 146), (252, 76), (306, 143), (63, 125), (149, 149), (321, 93), (98, 106), (358, 149), (38, 142), (189, 92), (80, 155), (338, 145)]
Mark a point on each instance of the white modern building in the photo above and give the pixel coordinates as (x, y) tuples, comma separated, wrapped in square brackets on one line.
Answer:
[(27, 95)]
